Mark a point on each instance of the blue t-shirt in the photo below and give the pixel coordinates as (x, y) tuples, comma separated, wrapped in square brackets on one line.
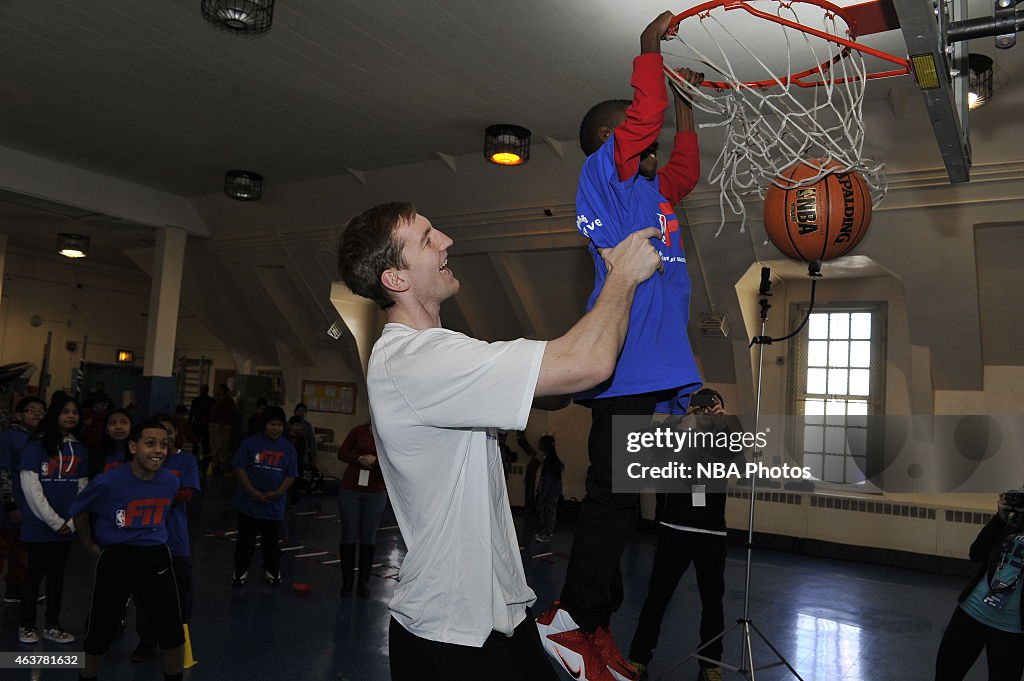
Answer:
[(996, 602), (58, 474), (114, 458), (12, 441), (267, 463), (127, 509), (656, 355), (184, 467)]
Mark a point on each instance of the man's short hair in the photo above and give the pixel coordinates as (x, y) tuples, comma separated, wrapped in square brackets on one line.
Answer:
[(605, 114), (368, 247), (300, 405), (145, 425)]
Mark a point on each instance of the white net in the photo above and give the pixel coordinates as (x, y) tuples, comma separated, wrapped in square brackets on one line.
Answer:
[(769, 127)]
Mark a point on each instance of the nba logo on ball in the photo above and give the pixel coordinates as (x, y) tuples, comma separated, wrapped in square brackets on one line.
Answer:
[(256, 459), (119, 517), (820, 219), (45, 468)]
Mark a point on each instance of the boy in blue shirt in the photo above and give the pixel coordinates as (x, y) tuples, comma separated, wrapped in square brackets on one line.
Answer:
[(266, 465), (128, 532), (621, 191), (182, 465)]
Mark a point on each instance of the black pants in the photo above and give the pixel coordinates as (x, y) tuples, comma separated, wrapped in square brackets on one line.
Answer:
[(677, 549), (182, 566), (593, 579), (269, 530), (519, 657), (45, 559), (962, 644), (144, 573)]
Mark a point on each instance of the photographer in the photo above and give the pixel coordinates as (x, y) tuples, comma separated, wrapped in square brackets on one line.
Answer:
[(989, 616), (692, 530)]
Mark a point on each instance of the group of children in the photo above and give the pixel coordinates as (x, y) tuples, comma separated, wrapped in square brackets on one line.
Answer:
[(126, 502)]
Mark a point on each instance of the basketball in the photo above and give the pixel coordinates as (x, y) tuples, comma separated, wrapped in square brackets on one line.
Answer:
[(820, 221)]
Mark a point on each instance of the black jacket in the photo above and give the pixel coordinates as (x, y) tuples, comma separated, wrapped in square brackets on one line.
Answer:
[(678, 508), (985, 550)]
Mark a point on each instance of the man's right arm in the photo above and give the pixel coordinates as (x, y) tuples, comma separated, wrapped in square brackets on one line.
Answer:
[(586, 355)]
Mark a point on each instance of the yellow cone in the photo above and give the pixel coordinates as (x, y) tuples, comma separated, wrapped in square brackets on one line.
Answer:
[(189, 660)]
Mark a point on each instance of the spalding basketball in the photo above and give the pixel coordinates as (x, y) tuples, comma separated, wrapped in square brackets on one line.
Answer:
[(820, 221)]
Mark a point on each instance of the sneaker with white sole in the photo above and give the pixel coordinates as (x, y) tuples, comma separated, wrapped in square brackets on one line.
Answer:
[(578, 652), (56, 634), (272, 579), (239, 580), (28, 635)]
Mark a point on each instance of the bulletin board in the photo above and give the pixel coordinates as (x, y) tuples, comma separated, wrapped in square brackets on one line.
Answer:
[(329, 396)]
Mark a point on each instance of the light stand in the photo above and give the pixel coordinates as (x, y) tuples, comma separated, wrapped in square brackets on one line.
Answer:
[(746, 665)]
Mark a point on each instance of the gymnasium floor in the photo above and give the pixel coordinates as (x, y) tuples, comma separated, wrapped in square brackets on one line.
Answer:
[(832, 620)]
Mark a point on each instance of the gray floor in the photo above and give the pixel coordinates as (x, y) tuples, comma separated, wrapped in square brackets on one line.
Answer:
[(832, 620)]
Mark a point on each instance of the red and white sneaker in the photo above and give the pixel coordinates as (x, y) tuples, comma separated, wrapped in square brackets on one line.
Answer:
[(577, 651), (617, 664)]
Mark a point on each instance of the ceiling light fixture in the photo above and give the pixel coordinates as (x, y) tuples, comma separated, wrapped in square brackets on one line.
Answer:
[(242, 17), (243, 185), (507, 145), (979, 88), (73, 245)]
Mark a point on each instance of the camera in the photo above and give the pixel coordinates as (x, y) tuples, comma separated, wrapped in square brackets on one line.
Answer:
[(1014, 499), (706, 401)]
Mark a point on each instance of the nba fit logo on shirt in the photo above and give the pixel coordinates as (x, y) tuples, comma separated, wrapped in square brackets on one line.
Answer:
[(268, 458), (142, 513), (64, 466)]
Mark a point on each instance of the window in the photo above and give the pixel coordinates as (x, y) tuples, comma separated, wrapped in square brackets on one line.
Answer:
[(838, 382)]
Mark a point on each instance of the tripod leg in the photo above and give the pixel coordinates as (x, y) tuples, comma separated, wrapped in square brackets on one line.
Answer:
[(776, 651)]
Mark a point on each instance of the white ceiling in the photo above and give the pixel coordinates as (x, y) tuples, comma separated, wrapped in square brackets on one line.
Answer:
[(147, 91)]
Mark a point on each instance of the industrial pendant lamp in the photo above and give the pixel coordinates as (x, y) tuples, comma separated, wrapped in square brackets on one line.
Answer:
[(242, 17), (243, 185), (73, 245), (507, 145), (979, 87)]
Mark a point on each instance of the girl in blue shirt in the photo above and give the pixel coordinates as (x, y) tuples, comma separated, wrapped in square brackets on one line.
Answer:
[(113, 449), (52, 471)]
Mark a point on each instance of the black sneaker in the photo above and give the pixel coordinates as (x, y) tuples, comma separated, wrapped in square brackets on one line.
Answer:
[(272, 579), (239, 580)]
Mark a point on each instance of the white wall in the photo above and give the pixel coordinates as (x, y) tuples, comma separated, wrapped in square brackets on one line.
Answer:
[(79, 299)]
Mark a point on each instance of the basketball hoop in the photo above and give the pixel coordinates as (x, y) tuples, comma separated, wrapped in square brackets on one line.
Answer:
[(807, 104)]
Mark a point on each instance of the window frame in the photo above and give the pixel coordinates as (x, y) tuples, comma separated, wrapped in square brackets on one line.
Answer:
[(798, 396)]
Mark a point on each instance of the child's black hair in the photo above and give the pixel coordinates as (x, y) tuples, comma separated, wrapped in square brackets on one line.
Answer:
[(607, 114)]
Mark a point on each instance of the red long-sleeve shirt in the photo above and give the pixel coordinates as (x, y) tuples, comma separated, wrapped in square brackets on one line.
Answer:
[(358, 442), (644, 120)]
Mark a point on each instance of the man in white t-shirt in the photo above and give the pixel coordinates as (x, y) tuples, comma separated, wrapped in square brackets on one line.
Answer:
[(437, 398)]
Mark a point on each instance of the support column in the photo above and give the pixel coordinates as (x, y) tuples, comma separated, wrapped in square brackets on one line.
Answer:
[(157, 389)]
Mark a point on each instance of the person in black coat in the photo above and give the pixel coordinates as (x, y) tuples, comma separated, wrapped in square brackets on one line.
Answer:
[(989, 616)]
